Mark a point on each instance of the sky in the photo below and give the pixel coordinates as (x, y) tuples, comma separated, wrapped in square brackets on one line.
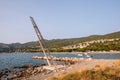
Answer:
[(57, 19)]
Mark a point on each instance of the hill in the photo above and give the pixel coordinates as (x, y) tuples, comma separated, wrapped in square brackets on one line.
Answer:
[(65, 42), (55, 44)]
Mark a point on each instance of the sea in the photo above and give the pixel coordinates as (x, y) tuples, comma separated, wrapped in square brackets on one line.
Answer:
[(10, 60)]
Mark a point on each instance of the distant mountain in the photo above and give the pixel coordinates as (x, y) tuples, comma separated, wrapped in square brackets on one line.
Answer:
[(55, 43), (4, 47)]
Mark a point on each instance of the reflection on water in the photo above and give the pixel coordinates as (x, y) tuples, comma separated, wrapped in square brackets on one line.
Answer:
[(19, 59)]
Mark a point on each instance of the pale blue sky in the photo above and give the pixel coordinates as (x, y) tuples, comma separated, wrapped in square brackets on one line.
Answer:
[(57, 19)]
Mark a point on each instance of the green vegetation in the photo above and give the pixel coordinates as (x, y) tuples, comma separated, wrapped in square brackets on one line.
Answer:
[(107, 46), (97, 73), (56, 45)]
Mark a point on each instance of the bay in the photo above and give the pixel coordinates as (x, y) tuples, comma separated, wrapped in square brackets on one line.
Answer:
[(10, 60)]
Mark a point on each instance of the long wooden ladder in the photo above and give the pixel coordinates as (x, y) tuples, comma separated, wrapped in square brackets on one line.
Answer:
[(41, 41)]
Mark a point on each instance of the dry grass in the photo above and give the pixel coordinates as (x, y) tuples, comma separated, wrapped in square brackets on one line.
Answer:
[(99, 72), (117, 64)]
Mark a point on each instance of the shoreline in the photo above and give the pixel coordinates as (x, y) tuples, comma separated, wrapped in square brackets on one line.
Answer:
[(84, 64), (30, 72), (89, 52)]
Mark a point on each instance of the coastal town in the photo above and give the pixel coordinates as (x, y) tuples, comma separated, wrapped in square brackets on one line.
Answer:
[(88, 43)]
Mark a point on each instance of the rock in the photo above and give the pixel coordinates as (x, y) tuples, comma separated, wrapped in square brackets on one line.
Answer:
[(65, 59), (23, 72)]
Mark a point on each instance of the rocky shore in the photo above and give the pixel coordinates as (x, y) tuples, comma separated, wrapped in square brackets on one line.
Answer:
[(30, 72), (22, 73), (27, 71), (82, 65)]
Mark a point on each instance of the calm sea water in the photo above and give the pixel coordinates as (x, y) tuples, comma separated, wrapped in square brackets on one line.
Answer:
[(19, 59)]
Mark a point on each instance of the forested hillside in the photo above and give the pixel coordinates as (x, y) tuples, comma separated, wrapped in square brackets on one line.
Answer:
[(59, 45)]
